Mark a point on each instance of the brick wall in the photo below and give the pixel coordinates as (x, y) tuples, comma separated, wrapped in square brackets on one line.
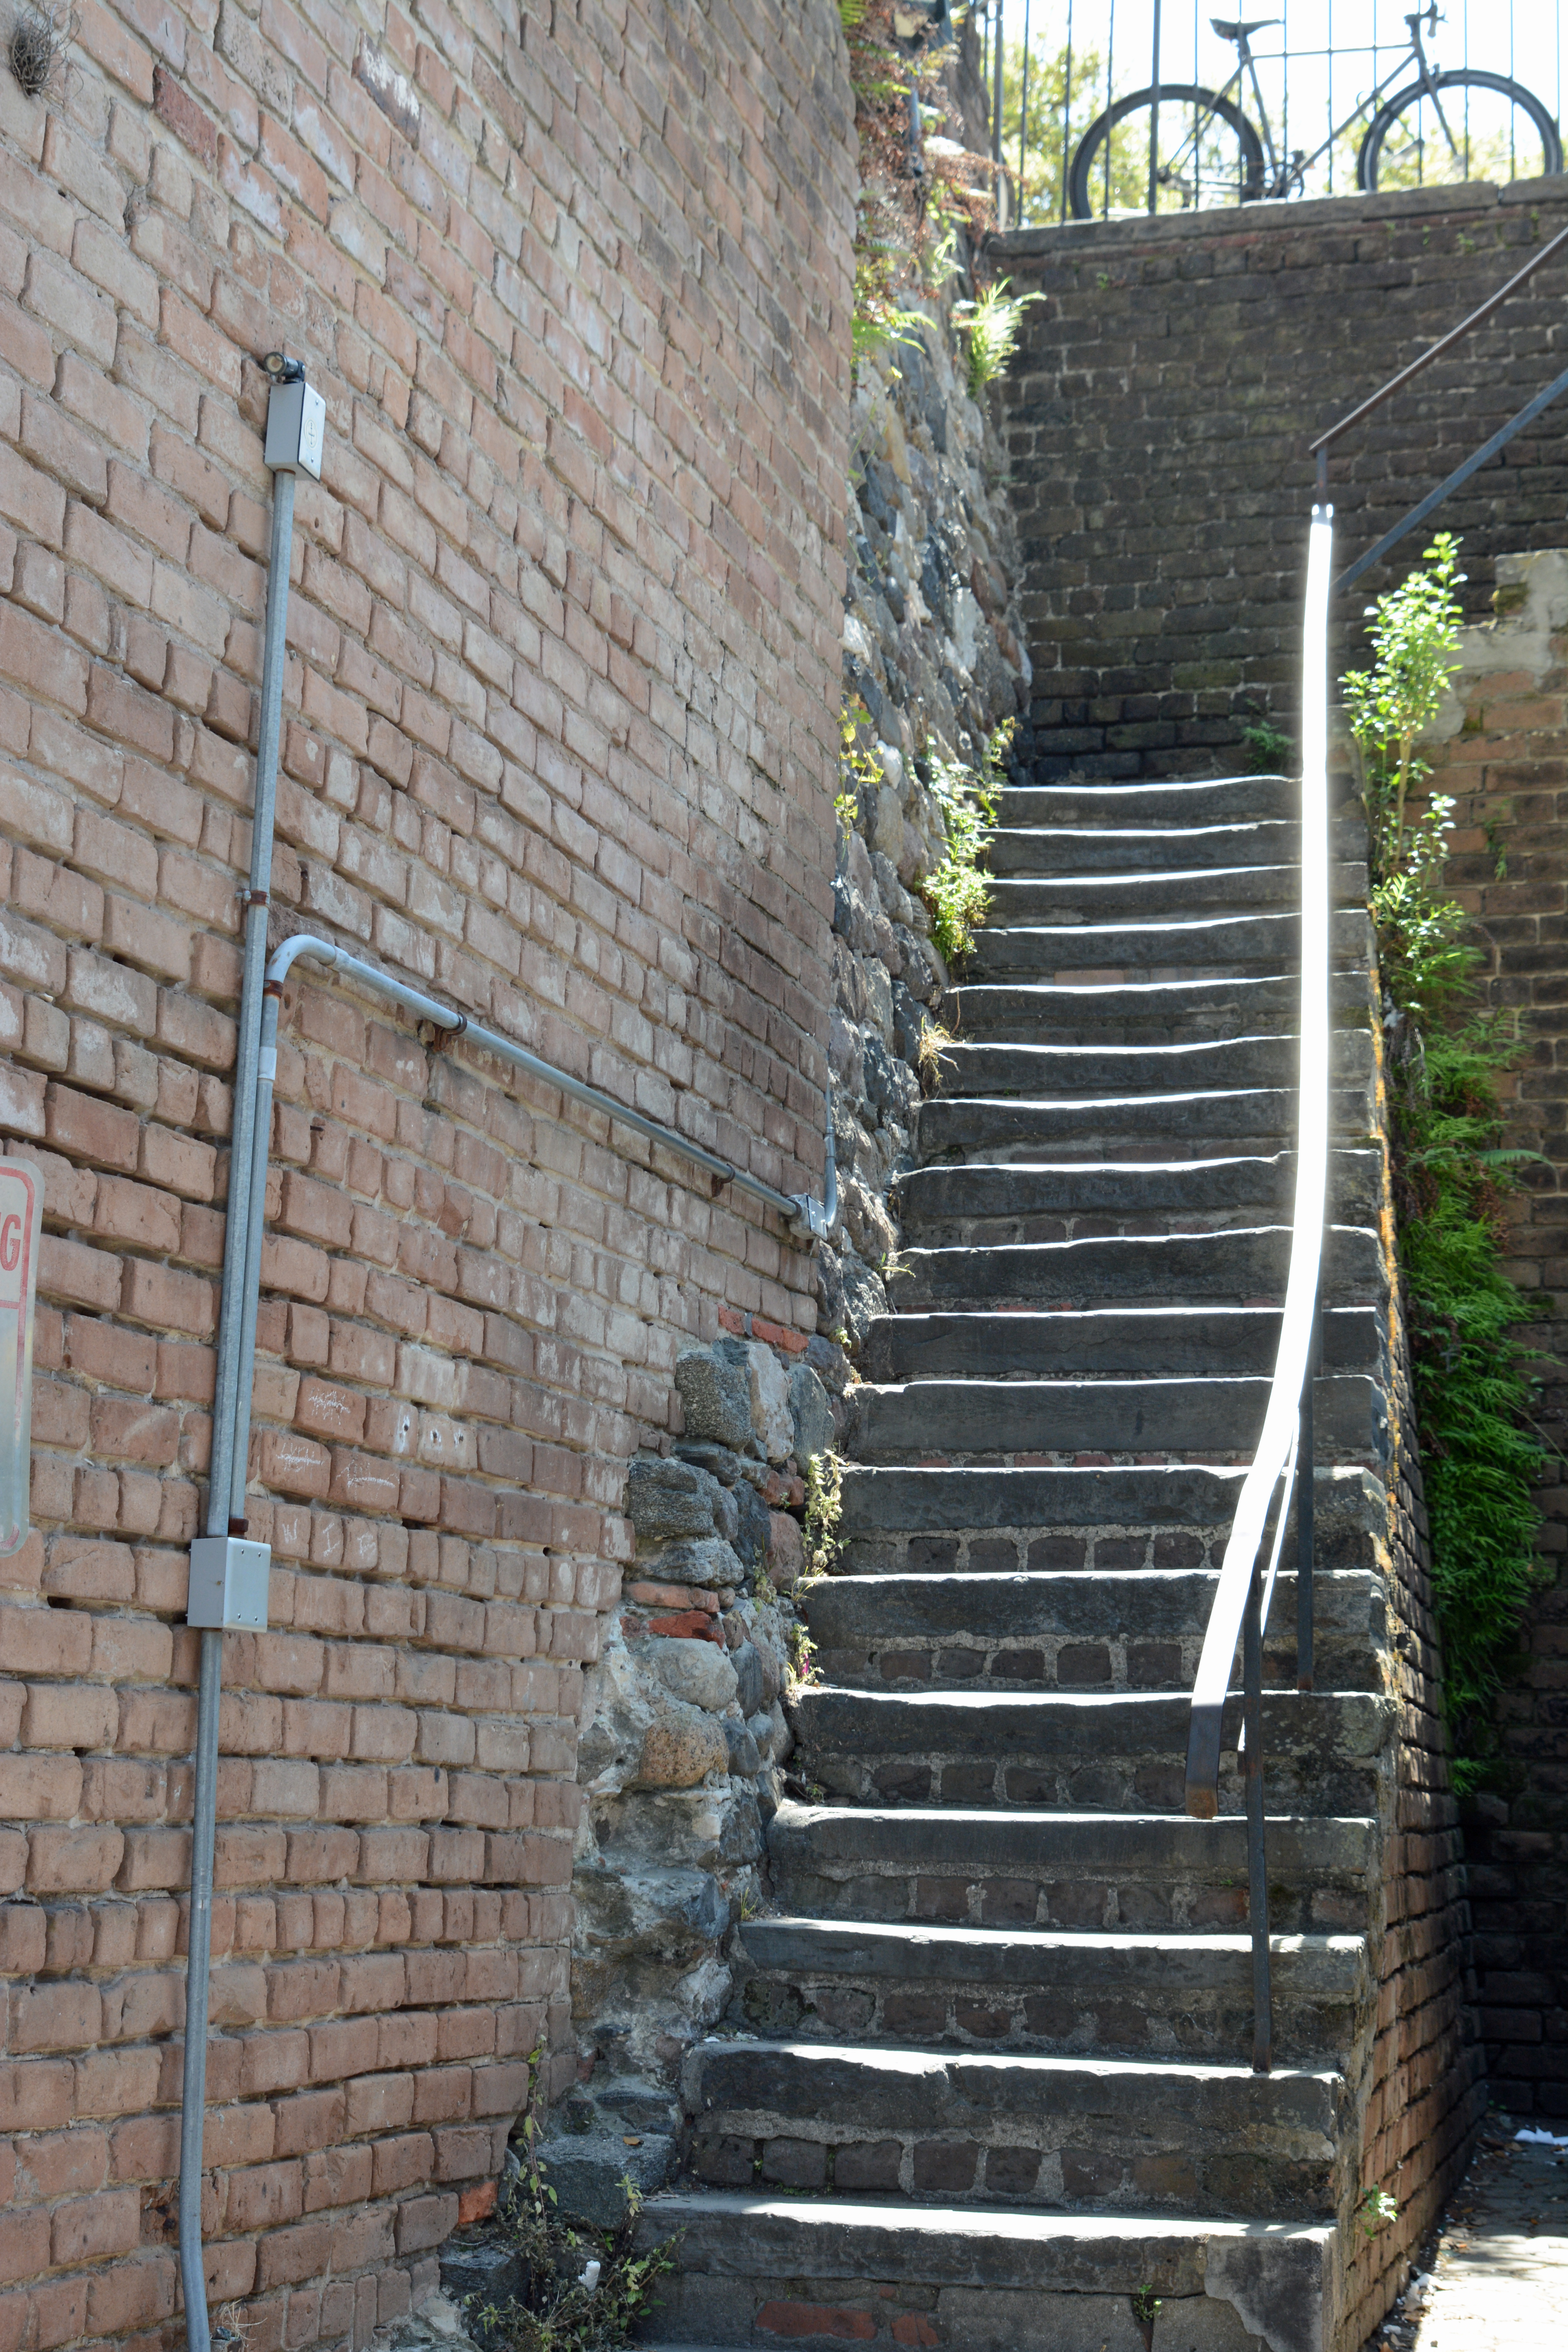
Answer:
[(559, 741), (1158, 418), (1502, 757)]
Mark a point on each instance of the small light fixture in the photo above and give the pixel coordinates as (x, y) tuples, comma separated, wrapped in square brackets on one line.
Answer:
[(282, 369)]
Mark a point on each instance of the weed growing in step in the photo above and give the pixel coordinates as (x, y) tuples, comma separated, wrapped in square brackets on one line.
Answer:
[(1268, 750), (824, 1510), (587, 2290), (934, 1040), (1376, 2211), (991, 324), (1481, 1458), (1146, 2309), (37, 37), (957, 893)]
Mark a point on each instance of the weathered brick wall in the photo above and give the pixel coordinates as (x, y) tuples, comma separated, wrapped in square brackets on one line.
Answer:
[(560, 737), (1502, 757), (1158, 418)]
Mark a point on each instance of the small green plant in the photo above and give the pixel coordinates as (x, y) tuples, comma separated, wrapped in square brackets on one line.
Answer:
[(1268, 750), (859, 769), (823, 1511), (588, 2291), (1414, 629), (934, 1040), (1376, 2211), (992, 324), (802, 1653), (957, 893)]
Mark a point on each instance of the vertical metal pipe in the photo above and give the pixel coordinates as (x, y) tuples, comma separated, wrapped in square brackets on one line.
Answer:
[(996, 129), (231, 1407), (1155, 117), (1305, 1532), (1023, 118), (1066, 116), (198, 1969), (1257, 1854)]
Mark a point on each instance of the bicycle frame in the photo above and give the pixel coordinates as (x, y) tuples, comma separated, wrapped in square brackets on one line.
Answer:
[(1283, 175)]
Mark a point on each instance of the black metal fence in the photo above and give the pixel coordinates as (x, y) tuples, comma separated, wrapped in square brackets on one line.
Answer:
[(1316, 78)]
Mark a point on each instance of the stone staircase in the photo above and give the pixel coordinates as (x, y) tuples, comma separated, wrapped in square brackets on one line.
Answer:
[(984, 2083)]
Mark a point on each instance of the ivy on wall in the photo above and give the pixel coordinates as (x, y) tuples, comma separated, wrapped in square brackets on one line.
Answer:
[(1481, 1459)]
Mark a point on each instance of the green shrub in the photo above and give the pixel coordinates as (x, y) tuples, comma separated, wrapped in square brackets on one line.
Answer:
[(957, 893), (1481, 1459)]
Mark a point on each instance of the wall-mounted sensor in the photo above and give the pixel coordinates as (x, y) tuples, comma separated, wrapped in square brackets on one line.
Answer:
[(228, 1583), (296, 420)]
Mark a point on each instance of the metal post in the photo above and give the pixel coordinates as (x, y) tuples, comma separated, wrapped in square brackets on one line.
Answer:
[(1066, 116), (1305, 1500), (1257, 1855), (227, 1472), (996, 128), (1024, 118), (1155, 117)]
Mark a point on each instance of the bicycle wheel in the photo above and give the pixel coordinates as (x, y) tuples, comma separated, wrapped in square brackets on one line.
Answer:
[(1208, 154), (1479, 126)]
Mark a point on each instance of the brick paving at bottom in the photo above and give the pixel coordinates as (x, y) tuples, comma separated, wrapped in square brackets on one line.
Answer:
[(1498, 2277)]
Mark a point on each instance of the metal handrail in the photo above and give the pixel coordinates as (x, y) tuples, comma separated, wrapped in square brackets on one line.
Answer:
[(1532, 408), (1240, 1607)]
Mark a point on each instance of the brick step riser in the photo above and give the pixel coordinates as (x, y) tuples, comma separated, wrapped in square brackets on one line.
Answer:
[(1139, 1779), (967, 2131)]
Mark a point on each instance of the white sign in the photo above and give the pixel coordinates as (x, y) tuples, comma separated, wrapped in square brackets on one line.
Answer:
[(21, 1216)]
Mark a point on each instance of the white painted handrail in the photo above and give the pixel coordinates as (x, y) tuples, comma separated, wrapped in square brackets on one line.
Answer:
[(1273, 1459)]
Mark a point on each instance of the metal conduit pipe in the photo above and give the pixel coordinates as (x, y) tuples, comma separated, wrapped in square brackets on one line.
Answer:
[(295, 417), (816, 1216)]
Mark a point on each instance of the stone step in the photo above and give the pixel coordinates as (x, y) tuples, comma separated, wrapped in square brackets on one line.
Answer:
[(1206, 800), (1006, 1066), (1210, 1341), (1119, 1994), (1244, 1265), (1083, 1751), (944, 1205), (1220, 1419), (1142, 1011), (1091, 2134), (1161, 896), (1144, 950), (756, 2269), (1110, 1518), (1022, 1868), (1072, 1629), (1251, 1120), (1152, 849)]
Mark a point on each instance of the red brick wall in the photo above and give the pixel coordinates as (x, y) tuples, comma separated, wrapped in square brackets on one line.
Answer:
[(559, 741), (1503, 758)]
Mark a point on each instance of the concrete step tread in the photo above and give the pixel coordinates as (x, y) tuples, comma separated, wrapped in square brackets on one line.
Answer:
[(1075, 1956), (1190, 2083), (859, 1834), (1213, 1338), (875, 1609), (1152, 1720), (971, 2245)]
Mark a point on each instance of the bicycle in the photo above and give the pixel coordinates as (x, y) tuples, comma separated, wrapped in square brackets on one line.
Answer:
[(1217, 156)]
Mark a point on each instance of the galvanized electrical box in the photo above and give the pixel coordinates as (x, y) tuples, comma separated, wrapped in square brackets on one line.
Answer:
[(228, 1583), (295, 429)]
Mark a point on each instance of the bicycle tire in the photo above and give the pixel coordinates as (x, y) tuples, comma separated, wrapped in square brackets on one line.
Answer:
[(1462, 76), (1087, 154)]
